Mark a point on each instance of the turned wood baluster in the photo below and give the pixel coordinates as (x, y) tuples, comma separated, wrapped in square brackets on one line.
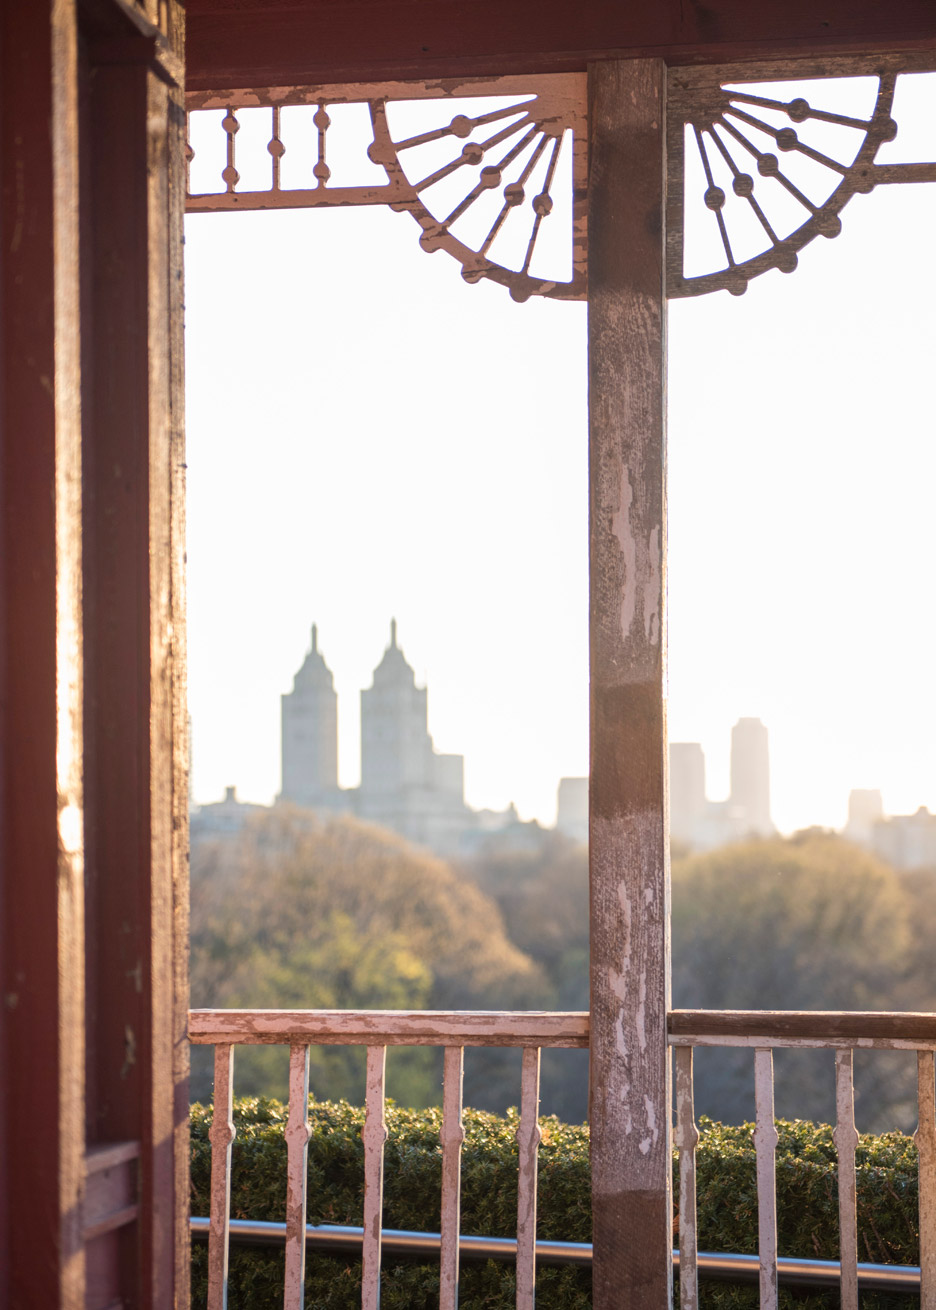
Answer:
[(451, 1136), (765, 1144), (297, 1154), (687, 1138), (846, 1139), (528, 1140), (221, 1135), (375, 1135), (925, 1138)]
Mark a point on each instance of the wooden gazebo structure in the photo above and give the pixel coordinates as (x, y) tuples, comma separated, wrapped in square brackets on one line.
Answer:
[(93, 792)]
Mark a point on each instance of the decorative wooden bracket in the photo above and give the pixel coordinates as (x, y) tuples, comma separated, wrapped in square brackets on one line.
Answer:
[(486, 186)]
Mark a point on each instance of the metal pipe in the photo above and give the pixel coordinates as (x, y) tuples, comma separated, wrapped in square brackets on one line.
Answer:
[(731, 1268)]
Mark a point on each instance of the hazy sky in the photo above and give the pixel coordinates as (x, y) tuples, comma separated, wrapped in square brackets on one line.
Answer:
[(370, 437)]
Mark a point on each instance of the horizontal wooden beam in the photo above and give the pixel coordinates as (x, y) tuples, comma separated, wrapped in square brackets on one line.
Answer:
[(833, 1028), (255, 42), (388, 1028)]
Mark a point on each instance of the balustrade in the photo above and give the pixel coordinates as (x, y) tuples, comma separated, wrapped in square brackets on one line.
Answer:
[(300, 1029), (764, 1031)]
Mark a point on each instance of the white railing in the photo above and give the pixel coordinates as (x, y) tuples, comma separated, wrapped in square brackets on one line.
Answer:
[(376, 1030), (763, 1031)]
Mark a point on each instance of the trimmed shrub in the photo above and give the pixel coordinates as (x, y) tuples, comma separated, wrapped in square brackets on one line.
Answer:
[(727, 1203)]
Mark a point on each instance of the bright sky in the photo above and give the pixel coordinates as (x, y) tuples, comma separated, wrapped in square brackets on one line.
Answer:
[(370, 437)]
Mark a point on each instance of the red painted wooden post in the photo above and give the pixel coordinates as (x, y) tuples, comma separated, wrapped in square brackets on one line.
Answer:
[(135, 722), (630, 1083), (41, 841)]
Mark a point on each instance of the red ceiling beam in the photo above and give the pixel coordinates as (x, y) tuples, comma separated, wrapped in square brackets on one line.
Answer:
[(255, 42)]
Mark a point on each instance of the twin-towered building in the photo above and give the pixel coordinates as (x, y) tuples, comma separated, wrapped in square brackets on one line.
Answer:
[(406, 785)]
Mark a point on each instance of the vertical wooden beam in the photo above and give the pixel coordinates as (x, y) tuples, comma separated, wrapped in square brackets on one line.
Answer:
[(134, 627), (629, 857), (41, 835)]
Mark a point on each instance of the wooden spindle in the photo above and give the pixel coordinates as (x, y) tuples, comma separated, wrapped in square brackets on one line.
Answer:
[(687, 1139), (297, 1154), (765, 1144), (221, 1135), (375, 1135), (451, 1137), (846, 1140), (229, 173), (528, 1140), (925, 1138), (276, 149)]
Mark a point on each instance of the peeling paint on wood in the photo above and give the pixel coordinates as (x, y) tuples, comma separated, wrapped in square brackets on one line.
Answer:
[(845, 1137), (765, 1138), (925, 1138), (528, 1140), (221, 1135), (375, 1135), (551, 121), (831, 1028), (629, 872), (390, 1027), (451, 1138), (297, 1135), (686, 1140)]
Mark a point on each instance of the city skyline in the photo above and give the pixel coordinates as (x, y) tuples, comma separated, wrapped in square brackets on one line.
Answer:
[(343, 472)]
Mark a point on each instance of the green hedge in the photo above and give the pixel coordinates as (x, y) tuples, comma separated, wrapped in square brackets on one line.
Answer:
[(727, 1203)]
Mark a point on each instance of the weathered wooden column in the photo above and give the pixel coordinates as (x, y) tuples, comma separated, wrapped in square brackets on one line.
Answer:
[(42, 1039), (630, 968), (135, 721)]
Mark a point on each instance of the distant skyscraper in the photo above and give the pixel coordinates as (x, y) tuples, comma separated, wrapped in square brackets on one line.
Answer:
[(865, 808), (687, 790), (750, 776), (310, 733)]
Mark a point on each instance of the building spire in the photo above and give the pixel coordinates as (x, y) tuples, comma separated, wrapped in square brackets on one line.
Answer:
[(314, 638), (393, 644)]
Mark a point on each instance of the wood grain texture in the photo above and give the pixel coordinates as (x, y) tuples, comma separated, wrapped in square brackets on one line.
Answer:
[(244, 42), (297, 1134), (374, 1134), (765, 1144), (528, 1140), (451, 1138), (136, 724), (845, 1137), (221, 1134), (391, 1027), (629, 860), (820, 1027), (925, 1138), (686, 1141), (42, 1031)]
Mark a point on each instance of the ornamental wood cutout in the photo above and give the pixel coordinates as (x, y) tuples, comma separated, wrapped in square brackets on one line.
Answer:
[(492, 166), (764, 167), (496, 173)]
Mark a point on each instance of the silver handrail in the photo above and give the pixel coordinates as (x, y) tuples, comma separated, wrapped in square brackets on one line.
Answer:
[(731, 1268)]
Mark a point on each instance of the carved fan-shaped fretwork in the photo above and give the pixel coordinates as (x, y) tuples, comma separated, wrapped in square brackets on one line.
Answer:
[(507, 155), (493, 170), (747, 147)]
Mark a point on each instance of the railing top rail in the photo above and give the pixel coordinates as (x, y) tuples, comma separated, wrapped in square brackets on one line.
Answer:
[(389, 1027), (827, 1028)]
